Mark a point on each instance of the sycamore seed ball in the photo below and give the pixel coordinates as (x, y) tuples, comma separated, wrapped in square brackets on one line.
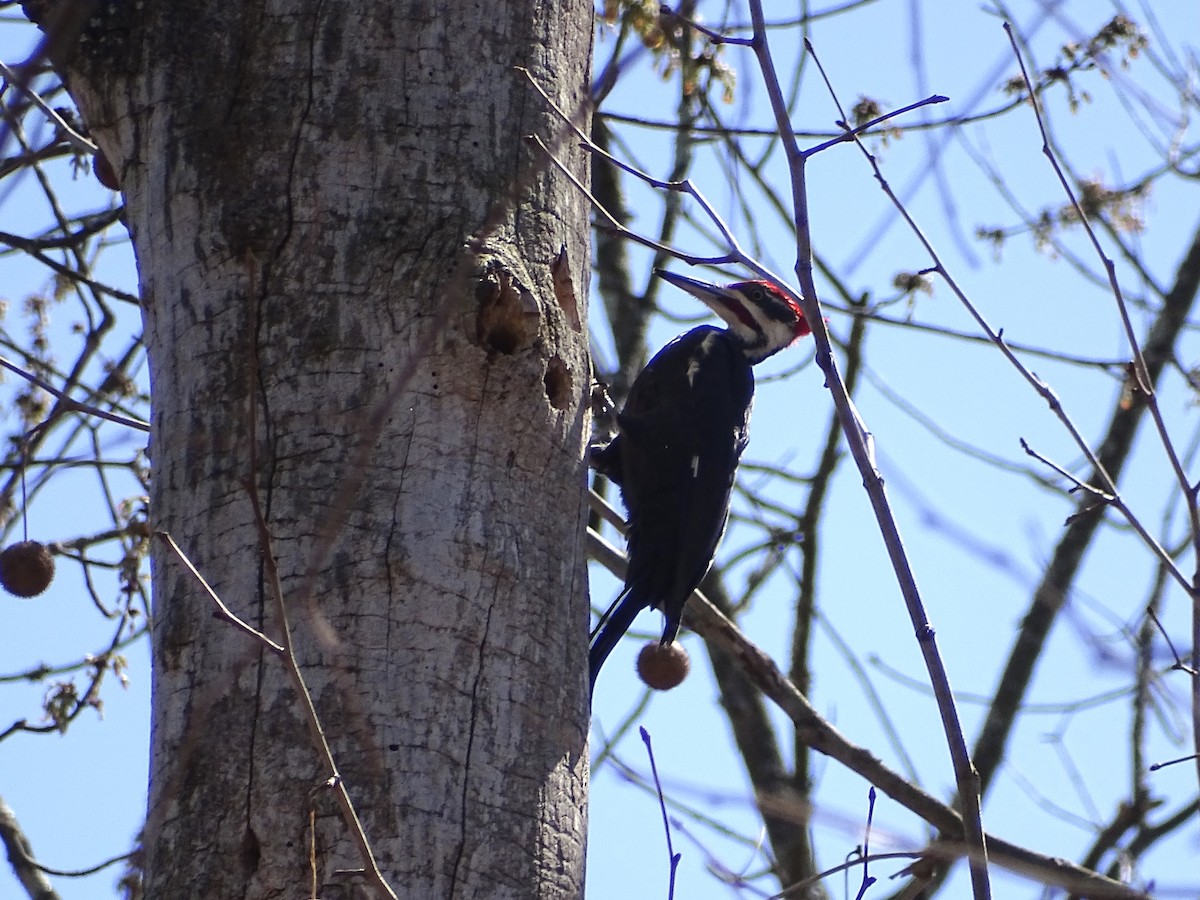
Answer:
[(663, 668), (26, 569), (104, 172)]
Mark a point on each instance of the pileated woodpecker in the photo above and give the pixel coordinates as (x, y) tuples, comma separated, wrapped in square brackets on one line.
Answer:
[(680, 435)]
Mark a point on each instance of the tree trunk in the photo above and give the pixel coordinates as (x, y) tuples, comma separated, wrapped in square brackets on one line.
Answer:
[(334, 209)]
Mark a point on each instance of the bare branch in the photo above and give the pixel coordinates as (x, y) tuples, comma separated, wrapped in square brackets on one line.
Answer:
[(73, 404), (20, 856)]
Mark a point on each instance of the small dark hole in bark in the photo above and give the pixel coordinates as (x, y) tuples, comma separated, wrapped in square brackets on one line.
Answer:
[(558, 383)]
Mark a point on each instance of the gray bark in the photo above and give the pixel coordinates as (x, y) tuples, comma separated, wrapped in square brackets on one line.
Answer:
[(333, 204)]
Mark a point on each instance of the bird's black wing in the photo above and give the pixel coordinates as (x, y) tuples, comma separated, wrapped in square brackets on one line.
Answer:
[(682, 431)]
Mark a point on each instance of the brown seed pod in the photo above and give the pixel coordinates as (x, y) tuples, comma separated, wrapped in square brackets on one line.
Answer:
[(26, 569), (104, 172), (663, 667)]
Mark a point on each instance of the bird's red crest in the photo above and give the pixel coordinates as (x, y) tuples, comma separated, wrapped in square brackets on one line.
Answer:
[(802, 328)]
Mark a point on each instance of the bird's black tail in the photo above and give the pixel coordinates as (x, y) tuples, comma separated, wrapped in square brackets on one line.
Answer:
[(611, 630)]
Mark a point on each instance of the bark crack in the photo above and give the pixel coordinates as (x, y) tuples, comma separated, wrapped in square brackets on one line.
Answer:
[(462, 835), (301, 121), (483, 642)]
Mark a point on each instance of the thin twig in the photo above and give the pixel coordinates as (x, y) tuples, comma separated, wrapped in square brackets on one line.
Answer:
[(1191, 757), (685, 187), (849, 134), (1079, 483), (223, 611), (71, 403), (662, 805), (90, 870), (73, 137), (867, 880), (1179, 663)]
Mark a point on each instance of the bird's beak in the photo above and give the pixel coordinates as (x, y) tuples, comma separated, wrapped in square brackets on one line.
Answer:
[(724, 302)]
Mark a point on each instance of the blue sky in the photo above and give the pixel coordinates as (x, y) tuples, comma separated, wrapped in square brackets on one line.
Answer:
[(977, 536), (81, 796)]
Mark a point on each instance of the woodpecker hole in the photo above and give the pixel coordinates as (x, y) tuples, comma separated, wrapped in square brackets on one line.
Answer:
[(559, 384), (507, 319)]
